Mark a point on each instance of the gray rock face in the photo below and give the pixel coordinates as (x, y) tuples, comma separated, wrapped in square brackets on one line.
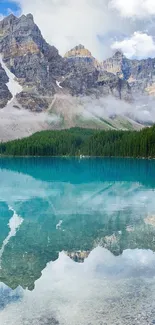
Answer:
[(80, 78), (3, 76), (140, 74), (32, 101), (5, 94), (111, 84)]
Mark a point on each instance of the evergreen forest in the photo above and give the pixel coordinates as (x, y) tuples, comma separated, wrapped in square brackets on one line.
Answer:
[(85, 142)]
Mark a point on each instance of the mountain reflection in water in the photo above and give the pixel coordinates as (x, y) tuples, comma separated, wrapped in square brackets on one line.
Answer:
[(97, 211), (105, 289)]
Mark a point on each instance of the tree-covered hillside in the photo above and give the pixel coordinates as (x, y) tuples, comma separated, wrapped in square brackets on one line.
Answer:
[(87, 142)]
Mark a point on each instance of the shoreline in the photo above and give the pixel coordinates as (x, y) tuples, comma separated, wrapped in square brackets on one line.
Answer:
[(78, 157)]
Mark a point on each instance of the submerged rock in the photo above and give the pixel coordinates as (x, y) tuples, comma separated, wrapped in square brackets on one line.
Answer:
[(150, 220), (78, 256)]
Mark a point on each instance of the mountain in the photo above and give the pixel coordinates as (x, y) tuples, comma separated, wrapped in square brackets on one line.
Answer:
[(73, 90), (140, 74), (5, 94), (41, 70), (33, 62), (80, 54)]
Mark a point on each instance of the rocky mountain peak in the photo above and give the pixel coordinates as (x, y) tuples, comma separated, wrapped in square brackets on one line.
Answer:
[(81, 55), (30, 17), (9, 20), (6, 24), (14, 27), (79, 47), (78, 51), (27, 20), (116, 64), (118, 55)]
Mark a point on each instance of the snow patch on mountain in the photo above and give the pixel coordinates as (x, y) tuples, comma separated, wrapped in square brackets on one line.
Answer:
[(58, 84), (12, 84)]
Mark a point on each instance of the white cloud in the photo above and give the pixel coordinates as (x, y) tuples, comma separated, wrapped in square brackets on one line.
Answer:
[(66, 23), (140, 45), (94, 23), (138, 8)]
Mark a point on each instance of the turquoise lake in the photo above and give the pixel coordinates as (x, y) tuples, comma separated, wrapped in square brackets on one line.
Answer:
[(77, 241)]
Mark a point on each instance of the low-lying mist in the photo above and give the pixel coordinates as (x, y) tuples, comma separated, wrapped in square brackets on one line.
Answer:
[(18, 123), (142, 109), (65, 112)]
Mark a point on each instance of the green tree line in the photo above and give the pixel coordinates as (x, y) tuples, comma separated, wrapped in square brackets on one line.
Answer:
[(76, 141)]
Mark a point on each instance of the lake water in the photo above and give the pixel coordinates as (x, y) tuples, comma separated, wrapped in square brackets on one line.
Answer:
[(77, 241)]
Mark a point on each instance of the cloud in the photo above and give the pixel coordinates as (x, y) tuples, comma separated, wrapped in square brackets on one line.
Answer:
[(71, 22), (76, 293), (142, 109), (94, 23), (135, 8), (139, 45)]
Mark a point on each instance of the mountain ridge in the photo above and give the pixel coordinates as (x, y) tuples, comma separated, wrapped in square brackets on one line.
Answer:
[(61, 86)]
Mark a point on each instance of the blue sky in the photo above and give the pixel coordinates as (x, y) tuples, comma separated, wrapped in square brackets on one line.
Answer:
[(6, 6)]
